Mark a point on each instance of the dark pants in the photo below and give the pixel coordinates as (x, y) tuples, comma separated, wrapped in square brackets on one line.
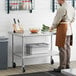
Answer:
[(64, 53)]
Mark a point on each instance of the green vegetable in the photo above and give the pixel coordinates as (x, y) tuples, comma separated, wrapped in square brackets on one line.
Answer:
[(45, 28)]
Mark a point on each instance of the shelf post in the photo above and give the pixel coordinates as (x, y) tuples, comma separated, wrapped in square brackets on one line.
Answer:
[(8, 6), (31, 7), (53, 5)]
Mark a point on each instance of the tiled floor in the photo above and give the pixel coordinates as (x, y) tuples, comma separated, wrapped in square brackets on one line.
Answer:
[(70, 71), (32, 68)]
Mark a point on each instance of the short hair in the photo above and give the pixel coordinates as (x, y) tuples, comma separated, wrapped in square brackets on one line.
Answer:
[(63, 0)]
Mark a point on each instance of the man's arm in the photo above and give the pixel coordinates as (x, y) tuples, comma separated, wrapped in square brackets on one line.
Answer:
[(59, 15)]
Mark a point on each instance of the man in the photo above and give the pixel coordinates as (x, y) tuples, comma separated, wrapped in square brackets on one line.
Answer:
[(62, 22)]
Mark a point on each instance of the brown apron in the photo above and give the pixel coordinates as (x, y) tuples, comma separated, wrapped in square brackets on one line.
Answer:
[(61, 35)]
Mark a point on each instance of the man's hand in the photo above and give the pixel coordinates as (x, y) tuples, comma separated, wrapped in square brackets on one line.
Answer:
[(51, 29)]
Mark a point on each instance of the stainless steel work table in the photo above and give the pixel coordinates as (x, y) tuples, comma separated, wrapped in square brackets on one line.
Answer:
[(23, 55)]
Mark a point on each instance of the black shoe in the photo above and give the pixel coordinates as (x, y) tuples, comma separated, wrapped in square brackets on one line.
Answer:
[(57, 70), (67, 67)]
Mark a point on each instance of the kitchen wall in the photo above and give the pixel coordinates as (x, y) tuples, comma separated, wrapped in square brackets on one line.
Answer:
[(40, 15)]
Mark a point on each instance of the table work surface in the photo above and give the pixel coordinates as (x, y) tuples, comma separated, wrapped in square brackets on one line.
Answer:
[(27, 34)]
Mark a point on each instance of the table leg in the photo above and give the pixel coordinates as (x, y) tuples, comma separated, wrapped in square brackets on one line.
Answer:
[(52, 61), (23, 66), (13, 63)]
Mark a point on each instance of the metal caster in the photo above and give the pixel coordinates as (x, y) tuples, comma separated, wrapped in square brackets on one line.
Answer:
[(23, 69), (14, 65), (52, 61)]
